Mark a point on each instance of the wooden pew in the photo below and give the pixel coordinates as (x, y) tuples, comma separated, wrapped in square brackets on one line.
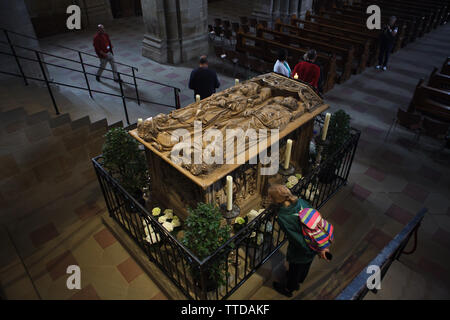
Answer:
[(345, 54), (431, 101), (361, 18), (430, 15), (439, 81), (417, 22), (267, 50), (373, 34), (334, 30), (446, 67), (438, 10), (361, 46)]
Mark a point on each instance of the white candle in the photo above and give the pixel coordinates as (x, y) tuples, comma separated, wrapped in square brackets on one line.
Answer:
[(236, 82), (197, 98), (296, 76), (139, 121), (325, 126), (287, 157), (229, 193)]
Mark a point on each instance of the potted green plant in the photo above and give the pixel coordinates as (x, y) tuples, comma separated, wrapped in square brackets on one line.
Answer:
[(338, 133), (125, 161), (204, 233)]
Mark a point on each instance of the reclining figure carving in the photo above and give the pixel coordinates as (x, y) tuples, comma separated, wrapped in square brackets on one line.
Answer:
[(265, 102)]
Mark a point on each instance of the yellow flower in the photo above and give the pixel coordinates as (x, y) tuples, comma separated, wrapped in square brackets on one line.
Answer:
[(239, 220), (168, 213), (156, 211)]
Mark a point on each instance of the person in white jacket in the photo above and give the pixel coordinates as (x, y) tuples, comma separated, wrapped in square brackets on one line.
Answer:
[(281, 66)]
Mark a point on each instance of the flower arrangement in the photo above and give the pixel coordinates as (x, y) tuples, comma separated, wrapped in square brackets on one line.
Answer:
[(168, 219), (150, 235), (239, 223), (293, 180)]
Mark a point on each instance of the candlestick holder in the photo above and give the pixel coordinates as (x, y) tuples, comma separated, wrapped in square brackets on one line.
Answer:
[(320, 144), (229, 216), (286, 172)]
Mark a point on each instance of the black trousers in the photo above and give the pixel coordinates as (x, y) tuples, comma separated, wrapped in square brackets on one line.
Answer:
[(385, 51), (296, 275)]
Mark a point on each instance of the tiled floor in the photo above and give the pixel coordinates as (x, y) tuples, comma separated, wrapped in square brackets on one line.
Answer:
[(390, 181)]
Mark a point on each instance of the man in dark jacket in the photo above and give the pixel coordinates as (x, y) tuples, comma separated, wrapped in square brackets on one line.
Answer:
[(387, 41), (203, 80)]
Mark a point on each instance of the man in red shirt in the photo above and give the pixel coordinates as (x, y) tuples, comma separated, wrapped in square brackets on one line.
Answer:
[(307, 70), (103, 49)]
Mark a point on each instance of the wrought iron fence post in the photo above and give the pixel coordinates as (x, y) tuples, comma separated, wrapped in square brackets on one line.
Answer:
[(203, 289), (177, 97), (123, 99), (44, 74), (135, 86), (85, 75), (15, 57)]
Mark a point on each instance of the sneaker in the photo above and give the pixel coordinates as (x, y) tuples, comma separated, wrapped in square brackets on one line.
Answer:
[(378, 67), (97, 78), (282, 290), (384, 68)]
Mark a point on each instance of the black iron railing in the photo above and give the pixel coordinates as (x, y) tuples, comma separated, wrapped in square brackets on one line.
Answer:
[(38, 57), (241, 255), (357, 289)]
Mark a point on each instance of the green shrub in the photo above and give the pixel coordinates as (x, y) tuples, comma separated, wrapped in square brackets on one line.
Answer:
[(203, 234), (124, 160)]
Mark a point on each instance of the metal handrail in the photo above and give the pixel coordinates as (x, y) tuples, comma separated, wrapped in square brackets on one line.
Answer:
[(357, 289), (39, 60), (63, 47)]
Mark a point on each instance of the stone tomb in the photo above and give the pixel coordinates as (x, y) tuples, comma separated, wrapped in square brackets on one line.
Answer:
[(267, 102)]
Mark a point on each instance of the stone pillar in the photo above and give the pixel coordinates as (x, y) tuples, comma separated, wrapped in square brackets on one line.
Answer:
[(274, 9), (176, 30), (305, 6), (14, 16)]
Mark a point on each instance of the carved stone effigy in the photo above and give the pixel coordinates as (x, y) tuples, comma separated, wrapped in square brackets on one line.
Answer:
[(269, 101)]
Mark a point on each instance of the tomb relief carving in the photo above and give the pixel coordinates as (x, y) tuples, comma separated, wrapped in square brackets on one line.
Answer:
[(268, 102)]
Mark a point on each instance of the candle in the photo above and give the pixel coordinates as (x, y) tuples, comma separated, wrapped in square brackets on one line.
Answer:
[(287, 157), (229, 190), (296, 76), (139, 121), (197, 98), (236, 82), (325, 126)]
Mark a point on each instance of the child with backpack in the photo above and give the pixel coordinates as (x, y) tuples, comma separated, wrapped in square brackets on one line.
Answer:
[(307, 232)]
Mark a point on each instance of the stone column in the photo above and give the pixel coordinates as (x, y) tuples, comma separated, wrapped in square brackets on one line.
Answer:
[(14, 16), (274, 9), (305, 6), (176, 30)]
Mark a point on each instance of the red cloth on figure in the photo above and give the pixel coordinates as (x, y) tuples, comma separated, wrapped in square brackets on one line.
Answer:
[(101, 43), (308, 72)]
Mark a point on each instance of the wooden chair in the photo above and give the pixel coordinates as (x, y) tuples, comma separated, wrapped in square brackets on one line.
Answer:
[(227, 34), (218, 22), (408, 120), (235, 27), (243, 20), (226, 24), (233, 58), (435, 129), (245, 28)]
